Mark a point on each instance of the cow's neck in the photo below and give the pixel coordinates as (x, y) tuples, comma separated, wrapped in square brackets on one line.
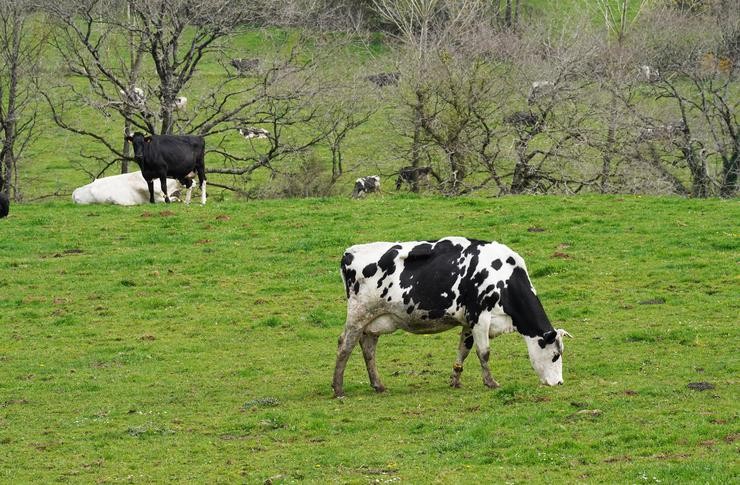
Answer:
[(523, 306)]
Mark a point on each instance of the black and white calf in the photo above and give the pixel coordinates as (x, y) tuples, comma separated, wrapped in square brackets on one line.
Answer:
[(366, 185), (433, 286), (180, 157), (4, 205)]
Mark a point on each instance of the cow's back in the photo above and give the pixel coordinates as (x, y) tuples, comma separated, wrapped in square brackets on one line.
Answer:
[(176, 155), (452, 277)]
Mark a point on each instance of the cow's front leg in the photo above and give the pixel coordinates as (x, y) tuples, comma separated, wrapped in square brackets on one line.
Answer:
[(150, 185), (463, 349), (369, 343), (163, 183), (481, 339), (347, 342)]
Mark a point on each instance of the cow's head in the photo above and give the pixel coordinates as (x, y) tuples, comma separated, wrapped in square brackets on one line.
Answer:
[(546, 355), (139, 141)]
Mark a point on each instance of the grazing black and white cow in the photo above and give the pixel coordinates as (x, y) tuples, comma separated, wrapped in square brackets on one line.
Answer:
[(180, 157), (413, 175), (433, 286), (366, 185), (4, 205)]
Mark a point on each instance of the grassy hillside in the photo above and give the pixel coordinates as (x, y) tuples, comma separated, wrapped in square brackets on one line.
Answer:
[(174, 343)]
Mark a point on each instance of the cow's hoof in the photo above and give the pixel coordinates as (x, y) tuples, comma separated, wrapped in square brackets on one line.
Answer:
[(379, 389), (492, 384), (455, 384)]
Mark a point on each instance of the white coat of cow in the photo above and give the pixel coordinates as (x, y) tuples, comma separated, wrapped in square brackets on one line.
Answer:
[(124, 189)]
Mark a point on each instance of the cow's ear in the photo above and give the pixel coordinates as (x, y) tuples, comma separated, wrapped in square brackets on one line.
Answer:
[(147, 139), (548, 338)]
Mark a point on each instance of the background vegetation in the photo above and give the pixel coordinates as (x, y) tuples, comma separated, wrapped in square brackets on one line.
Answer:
[(516, 96)]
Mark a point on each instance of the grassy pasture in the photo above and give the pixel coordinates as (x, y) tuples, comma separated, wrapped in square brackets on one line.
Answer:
[(196, 344)]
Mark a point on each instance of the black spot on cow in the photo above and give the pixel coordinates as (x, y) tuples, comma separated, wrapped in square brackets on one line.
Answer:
[(385, 292), (490, 301), (496, 264), (469, 341), (524, 307), (357, 287), (430, 270), (556, 357), (511, 261), (370, 270), (500, 285), (410, 310), (387, 263), (547, 338)]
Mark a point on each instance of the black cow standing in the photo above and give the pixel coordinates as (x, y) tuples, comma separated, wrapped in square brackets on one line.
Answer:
[(174, 156), (4, 205)]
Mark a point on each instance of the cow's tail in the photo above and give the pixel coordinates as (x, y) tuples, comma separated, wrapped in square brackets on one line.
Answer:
[(348, 274)]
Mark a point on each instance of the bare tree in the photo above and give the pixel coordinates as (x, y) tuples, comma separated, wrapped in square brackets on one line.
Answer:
[(698, 84), (21, 42), (111, 44), (551, 132), (448, 86)]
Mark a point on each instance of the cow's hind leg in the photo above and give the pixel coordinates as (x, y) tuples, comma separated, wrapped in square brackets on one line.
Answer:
[(201, 169), (163, 184), (481, 339), (347, 342), (369, 343), (463, 349)]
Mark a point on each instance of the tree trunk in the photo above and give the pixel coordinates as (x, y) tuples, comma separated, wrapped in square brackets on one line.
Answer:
[(610, 142), (520, 179), (699, 175), (729, 174), (654, 161), (457, 167), (416, 143)]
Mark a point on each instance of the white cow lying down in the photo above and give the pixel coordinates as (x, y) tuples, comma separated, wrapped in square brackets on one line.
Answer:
[(125, 189)]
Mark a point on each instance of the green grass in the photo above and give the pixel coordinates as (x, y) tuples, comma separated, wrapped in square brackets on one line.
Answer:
[(198, 346)]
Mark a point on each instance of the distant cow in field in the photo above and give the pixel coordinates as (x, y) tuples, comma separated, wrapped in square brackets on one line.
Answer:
[(384, 78), (244, 66), (125, 189), (181, 103), (413, 175), (176, 156), (251, 132), (135, 96), (366, 185), (4, 205), (432, 286)]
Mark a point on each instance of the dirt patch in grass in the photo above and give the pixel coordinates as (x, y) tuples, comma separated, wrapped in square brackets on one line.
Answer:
[(700, 386)]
